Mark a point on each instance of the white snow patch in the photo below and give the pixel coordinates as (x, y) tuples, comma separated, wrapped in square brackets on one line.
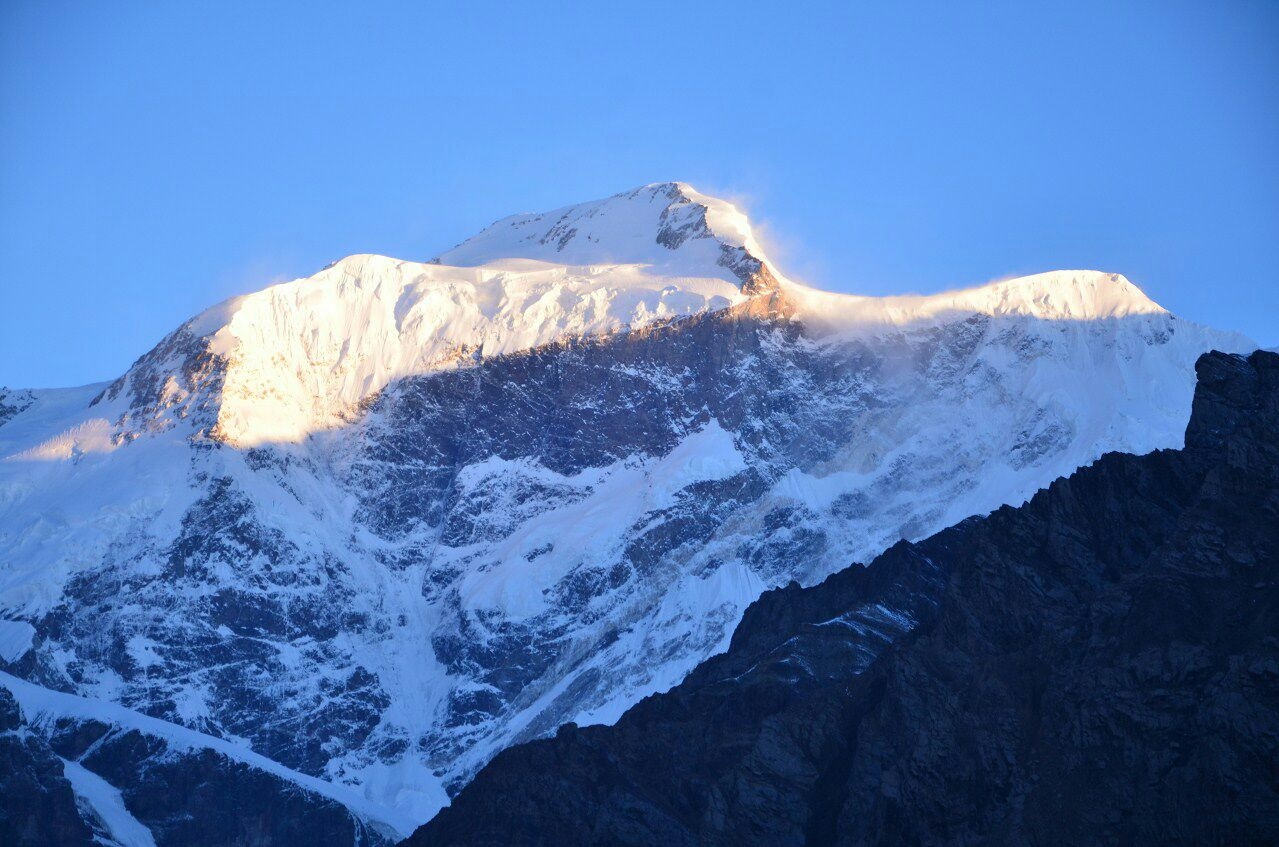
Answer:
[(543, 551), (16, 638), (708, 455), (103, 801), (687, 607), (90, 436)]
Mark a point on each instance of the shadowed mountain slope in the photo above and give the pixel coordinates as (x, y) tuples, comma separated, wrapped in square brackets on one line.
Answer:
[(1097, 666)]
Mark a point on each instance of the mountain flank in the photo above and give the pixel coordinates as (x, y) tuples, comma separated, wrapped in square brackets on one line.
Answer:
[(1097, 666)]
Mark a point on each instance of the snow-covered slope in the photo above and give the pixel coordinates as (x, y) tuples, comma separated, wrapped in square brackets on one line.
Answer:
[(1054, 296), (376, 524)]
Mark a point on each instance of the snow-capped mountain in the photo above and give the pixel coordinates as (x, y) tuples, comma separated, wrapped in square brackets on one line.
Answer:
[(378, 524)]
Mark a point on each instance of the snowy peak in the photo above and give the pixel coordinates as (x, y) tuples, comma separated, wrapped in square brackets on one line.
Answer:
[(1060, 295), (1052, 296), (424, 571), (669, 226), (299, 357)]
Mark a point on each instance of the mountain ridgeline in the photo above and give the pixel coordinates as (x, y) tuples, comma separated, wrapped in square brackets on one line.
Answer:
[(335, 544), (1097, 666)]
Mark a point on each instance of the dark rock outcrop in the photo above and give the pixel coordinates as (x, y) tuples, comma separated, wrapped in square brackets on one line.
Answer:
[(182, 796), (37, 805), (12, 402), (1098, 666)]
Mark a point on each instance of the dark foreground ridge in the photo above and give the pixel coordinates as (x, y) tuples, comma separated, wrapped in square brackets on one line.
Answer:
[(1098, 666)]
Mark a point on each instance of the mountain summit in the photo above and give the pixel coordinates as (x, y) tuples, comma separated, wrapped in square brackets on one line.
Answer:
[(280, 364), (297, 358), (668, 227)]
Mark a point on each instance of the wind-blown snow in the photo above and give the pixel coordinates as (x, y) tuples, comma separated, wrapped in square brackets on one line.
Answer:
[(1052, 296), (301, 356)]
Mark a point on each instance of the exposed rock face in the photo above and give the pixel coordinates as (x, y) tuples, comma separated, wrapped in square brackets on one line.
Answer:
[(12, 402), (1098, 666), (37, 806)]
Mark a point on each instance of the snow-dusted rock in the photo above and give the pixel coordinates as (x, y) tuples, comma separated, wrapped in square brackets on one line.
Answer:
[(377, 524)]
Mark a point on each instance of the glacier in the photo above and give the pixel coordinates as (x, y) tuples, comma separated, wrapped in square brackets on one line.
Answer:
[(372, 526)]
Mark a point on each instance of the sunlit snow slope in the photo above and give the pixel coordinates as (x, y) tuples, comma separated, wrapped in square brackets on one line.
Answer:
[(377, 524)]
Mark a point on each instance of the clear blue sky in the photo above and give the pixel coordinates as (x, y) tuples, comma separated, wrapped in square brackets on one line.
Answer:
[(158, 157)]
